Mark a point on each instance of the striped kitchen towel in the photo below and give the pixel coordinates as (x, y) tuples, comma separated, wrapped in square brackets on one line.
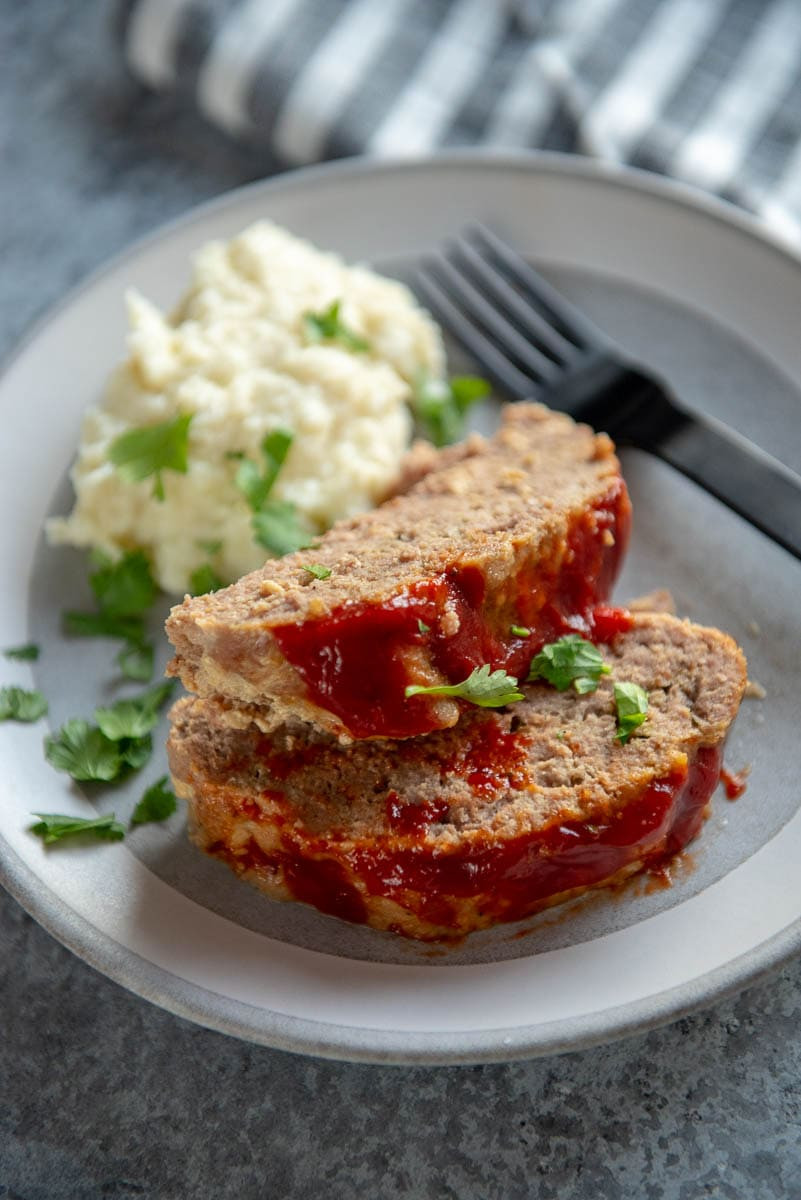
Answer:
[(707, 91)]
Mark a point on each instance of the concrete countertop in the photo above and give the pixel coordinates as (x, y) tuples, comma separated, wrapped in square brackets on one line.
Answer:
[(103, 1095)]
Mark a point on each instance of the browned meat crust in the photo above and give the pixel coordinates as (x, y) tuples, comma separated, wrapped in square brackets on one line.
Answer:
[(476, 824), (527, 528)]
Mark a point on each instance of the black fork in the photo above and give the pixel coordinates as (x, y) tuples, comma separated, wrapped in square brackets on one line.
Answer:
[(535, 345)]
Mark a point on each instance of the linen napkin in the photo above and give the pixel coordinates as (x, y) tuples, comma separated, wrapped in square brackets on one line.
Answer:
[(707, 91)]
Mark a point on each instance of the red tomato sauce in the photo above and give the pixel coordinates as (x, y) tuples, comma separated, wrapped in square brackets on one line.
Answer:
[(356, 662)]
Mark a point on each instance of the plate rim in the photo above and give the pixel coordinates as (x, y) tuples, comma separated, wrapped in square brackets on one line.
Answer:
[(264, 1026)]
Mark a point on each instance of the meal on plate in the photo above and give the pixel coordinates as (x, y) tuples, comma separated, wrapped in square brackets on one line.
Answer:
[(421, 713)]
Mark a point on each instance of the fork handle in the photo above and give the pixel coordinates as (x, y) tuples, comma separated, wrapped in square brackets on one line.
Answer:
[(743, 476)]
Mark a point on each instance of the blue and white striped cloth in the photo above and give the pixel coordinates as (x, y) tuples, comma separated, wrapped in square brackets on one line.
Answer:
[(708, 91)]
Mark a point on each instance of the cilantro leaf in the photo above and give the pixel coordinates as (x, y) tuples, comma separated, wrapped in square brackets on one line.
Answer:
[(571, 659), (140, 453), (28, 653), (315, 569), (280, 529), (17, 704), (125, 588), (519, 631), (482, 687), (255, 485), (135, 752), (204, 579), (84, 752), (440, 406), (52, 827), (327, 326), (136, 661), (157, 803), (82, 624), (631, 707), (134, 717)]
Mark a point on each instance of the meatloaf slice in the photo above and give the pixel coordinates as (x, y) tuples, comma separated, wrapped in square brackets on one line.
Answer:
[(524, 531), (489, 821)]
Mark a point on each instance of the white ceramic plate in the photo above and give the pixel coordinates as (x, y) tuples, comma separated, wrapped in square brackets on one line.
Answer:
[(700, 294)]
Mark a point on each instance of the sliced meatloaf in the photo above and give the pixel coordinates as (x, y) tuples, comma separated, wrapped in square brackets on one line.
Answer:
[(506, 813), (522, 532)]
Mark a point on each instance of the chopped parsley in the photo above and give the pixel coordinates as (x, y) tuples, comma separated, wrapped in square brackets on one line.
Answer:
[(140, 453), (27, 653), (254, 484), (519, 631), (422, 627), (487, 689), (136, 662), (570, 660), (315, 569), (82, 624), (279, 528), (17, 704), (84, 752), (441, 406), (52, 827), (125, 588), (157, 803), (631, 707), (204, 579), (327, 326)]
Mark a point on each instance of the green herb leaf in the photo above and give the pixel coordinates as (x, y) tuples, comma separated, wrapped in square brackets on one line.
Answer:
[(135, 752), (84, 752), (519, 631), (136, 662), (280, 529), (570, 660), (28, 653), (141, 453), (125, 588), (256, 485), (422, 627), (212, 548), (327, 326), (204, 579), (315, 569), (440, 406), (52, 827), (17, 704), (135, 717), (156, 804), (482, 687), (631, 706), (81, 624)]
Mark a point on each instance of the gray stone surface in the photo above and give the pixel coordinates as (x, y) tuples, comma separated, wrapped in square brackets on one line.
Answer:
[(103, 1095)]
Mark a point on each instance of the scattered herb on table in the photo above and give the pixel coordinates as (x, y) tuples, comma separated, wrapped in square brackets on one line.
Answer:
[(53, 827), (17, 704), (487, 689), (136, 662), (27, 653), (570, 660), (631, 707), (440, 406), (157, 803), (328, 326), (124, 591), (152, 449), (119, 741)]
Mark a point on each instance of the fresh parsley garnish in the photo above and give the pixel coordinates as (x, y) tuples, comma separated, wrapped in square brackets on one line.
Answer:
[(422, 627), (279, 528), (317, 570), (17, 704), (84, 752), (136, 661), (488, 689), (256, 485), (126, 629), (570, 660), (440, 406), (519, 631), (204, 579), (140, 453), (157, 803), (134, 717), (631, 706), (327, 326), (125, 588), (28, 653), (52, 827)]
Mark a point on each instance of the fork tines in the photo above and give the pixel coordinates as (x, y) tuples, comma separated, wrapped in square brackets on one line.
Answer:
[(521, 331)]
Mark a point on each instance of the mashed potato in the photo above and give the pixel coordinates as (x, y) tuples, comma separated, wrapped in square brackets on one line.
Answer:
[(236, 356)]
